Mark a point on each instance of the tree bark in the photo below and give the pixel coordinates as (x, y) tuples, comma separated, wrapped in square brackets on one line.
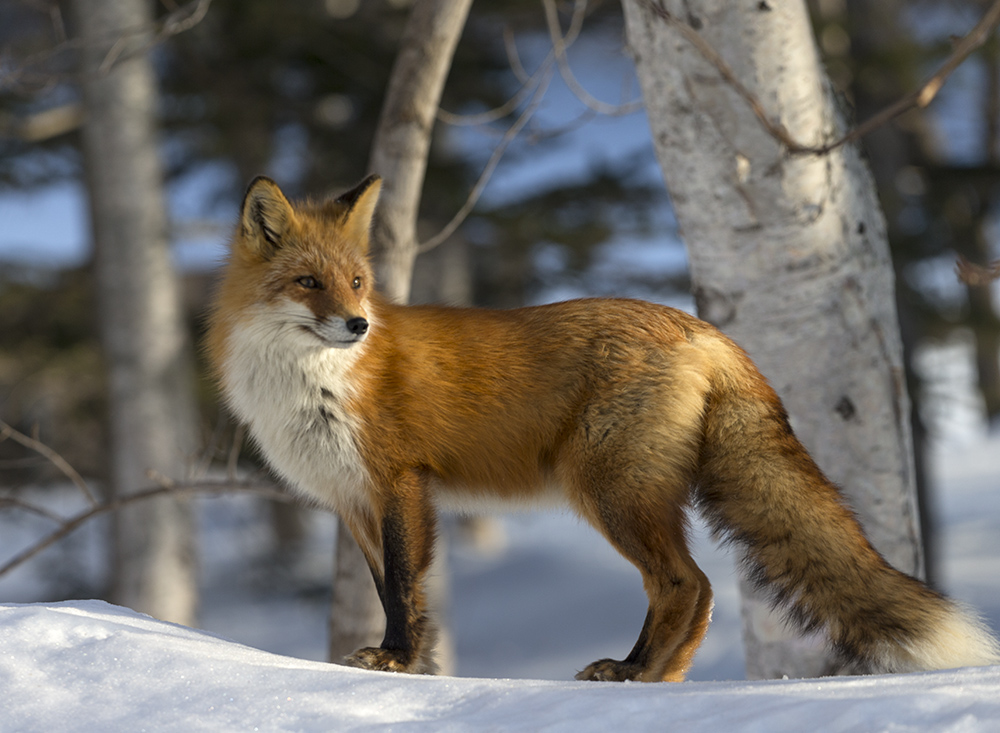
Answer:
[(982, 302), (399, 154), (143, 335), (788, 255), (403, 137), (878, 32)]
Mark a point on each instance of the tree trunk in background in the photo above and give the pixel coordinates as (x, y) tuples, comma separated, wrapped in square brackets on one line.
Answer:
[(982, 303), (399, 155), (877, 33), (789, 256), (403, 137), (143, 335)]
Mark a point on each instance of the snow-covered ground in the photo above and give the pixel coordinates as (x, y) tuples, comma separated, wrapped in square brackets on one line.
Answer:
[(550, 602), (88, 666)]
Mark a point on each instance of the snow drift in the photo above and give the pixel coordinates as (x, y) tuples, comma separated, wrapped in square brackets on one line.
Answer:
[(87, 665)]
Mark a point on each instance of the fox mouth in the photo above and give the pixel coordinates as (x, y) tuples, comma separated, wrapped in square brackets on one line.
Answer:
[(336, 342)]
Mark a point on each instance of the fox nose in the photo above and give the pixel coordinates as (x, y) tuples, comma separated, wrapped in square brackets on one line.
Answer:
[(358, 326)]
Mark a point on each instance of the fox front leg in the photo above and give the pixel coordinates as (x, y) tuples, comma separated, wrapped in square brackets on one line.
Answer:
[(407, 549)]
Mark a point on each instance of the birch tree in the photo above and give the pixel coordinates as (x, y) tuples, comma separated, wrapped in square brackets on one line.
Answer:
[(143, 337), (788, 255), (399, 154)]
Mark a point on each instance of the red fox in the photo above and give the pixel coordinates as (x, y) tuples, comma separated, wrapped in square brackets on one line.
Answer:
[(626, 411)]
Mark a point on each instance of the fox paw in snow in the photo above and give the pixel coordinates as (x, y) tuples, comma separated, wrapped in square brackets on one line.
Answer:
[(610, 670), (382, 660)]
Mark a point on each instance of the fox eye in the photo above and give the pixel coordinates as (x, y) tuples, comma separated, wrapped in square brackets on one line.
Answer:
[(356, 283), (309, 282)]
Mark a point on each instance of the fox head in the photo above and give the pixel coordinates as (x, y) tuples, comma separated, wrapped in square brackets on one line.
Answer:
[(303, 266)]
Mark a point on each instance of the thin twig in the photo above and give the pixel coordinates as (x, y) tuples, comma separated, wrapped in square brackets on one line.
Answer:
[(917, 99), (529, 83), (68, 526), (977, 275), (58, 25), (178, 21), (234, 451), (13, 501), (484, 177), (513, 58), (7, 431), (539, 82), (212, 449), (497, 113), (775, 129), (117, 49), (585, 116), (559, 45), (184, 18)]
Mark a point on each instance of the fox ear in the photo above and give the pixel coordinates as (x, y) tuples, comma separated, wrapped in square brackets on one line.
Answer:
[(359, 204), (265, 216)]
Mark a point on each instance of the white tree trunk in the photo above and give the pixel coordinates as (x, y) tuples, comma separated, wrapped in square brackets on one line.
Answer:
[(403, 137), (143, 334), (788, 255), (399, 155)]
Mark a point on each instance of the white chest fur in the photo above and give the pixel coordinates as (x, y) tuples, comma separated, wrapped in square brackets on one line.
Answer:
[(291, 391)]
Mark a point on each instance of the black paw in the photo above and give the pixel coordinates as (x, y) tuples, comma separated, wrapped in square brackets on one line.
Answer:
[(382, 660), (610, 670)]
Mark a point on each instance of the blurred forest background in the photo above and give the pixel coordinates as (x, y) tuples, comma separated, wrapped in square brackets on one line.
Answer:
[(575, 207)]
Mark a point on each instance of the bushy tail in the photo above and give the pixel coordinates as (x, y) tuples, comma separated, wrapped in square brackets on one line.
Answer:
[(759, 487)]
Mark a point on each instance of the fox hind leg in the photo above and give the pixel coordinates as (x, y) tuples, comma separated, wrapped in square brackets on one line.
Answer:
[(634, 488), (680, 599)]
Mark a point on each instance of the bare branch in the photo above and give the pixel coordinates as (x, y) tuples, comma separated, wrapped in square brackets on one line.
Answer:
[(977, 275), (513, 58), (917, 99), (45, 124), (776, 130), (68, 526), (529, 83), (234, 451), (117, 49), (182, 19), (13, 501), (164, 485), (538, 84), (7, 431), (484, 177), (539, 135), (497, 113), (560, 43), (58, 24)]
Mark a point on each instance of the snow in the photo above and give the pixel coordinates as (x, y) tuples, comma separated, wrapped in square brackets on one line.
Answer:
[(87, 665)]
